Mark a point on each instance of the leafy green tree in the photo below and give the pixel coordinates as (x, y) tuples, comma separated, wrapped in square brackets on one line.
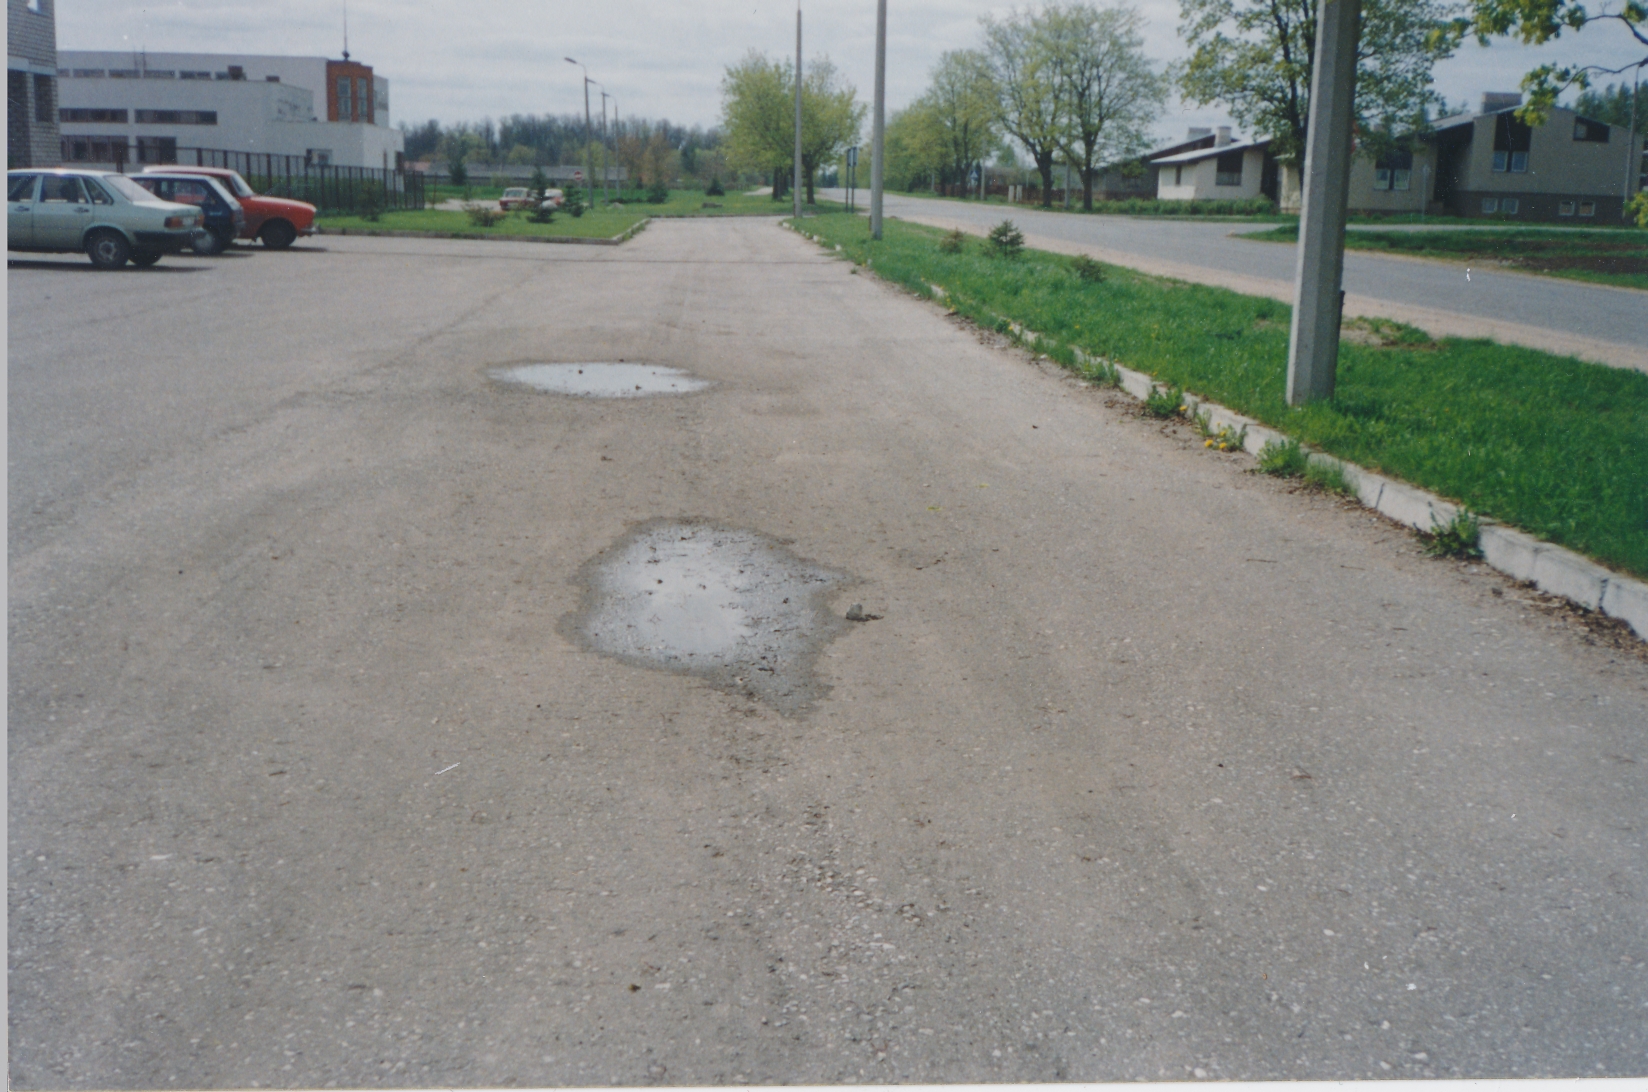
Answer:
[(1112, 94), (758, 115), (1256, 56), (914, 160), (957, 114), (1613, 105), (1538, 21), (457, 172), (1023, 58)]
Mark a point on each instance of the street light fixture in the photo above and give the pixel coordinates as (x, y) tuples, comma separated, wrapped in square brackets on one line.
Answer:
[(589, 169), (606, 141)]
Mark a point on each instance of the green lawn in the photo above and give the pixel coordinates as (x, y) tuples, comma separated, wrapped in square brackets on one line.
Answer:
[(602, 223), (1551, 444), (1606, 256)]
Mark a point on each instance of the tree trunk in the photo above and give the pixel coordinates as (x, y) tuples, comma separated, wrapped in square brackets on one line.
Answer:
[(809, 170), (1044, 165), (1087, 189)]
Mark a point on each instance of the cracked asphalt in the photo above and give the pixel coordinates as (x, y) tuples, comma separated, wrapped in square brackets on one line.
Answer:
[(1150, 767)]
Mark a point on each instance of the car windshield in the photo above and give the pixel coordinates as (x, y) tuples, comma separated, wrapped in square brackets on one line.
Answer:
[(126, 188), (239, 186)]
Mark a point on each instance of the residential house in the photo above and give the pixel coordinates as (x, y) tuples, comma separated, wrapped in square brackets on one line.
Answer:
[(1227, 170)]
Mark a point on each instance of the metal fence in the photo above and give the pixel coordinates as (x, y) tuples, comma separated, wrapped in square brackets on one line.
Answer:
[(327, 187)]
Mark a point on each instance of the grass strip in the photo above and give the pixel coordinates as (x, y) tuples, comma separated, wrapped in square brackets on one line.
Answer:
[(1604, 256), (1551, 444), (601, 223)]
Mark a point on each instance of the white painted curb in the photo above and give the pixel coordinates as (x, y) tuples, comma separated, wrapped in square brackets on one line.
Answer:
[(1552, 569)]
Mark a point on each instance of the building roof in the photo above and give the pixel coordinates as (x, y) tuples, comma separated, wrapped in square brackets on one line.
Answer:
[(1209, 153)]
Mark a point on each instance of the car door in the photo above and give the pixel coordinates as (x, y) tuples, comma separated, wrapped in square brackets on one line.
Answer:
[(20, 190), (62, 213)]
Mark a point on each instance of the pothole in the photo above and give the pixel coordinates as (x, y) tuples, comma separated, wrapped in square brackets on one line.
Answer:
[(729, 606), (599, 380)]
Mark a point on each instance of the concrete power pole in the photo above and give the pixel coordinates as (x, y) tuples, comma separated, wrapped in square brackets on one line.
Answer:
[(878, 125), (1313, 346), (798, 111)]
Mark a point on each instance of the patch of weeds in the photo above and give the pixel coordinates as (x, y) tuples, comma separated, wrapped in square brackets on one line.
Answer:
[(1330, 478), (483, 216), (1384, 334), (1006, 241), (953, 242), (1165, 403), (715, 189), (1284, 460), (1087, 269), (1226, 438), (1101, 373), (1459, 537)]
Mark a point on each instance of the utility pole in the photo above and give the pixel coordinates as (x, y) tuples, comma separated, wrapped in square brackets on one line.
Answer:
[(589, 139), (1318, 302), (878, 125), (606, 146), (797, 181), (1633, 150)]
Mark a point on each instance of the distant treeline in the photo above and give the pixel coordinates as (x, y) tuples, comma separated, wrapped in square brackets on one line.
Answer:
[(553, 140)]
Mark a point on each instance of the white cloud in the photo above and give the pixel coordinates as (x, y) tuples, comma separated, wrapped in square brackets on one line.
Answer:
[(659, 59)]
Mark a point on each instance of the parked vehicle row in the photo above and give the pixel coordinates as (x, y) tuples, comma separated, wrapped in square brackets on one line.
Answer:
[(519, 197), (116, 218)]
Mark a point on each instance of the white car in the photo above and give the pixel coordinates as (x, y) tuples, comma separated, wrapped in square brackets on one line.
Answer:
[(107, 215)]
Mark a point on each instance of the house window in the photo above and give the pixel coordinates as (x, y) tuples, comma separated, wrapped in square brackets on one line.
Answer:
[(1587, 208), (1490, 204), (96, 114), (1565, 208), (1394, 171), (45, 102), (344, 83), (1509, 206), (1512, 140), (1228, 171), (1594, 132), (1178, 175)]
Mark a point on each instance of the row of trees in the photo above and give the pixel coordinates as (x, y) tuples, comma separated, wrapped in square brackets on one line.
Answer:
[(758, 117)]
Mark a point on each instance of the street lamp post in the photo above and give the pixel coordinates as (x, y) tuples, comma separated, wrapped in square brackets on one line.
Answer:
[(878, 124), (606, 145), (589, 168)]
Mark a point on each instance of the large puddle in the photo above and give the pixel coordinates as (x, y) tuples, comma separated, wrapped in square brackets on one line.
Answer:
[(730, 606), (598, 380)]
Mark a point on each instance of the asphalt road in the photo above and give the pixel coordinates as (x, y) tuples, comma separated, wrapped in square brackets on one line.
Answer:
[(1592, 321), (1149, 768)]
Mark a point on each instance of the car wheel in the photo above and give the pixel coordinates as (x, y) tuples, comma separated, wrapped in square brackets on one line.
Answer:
[(209, 243), (108, 249), (143, 259), (278, 234)]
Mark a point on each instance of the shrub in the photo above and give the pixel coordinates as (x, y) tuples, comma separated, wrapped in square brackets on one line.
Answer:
[(370, 200), (539, 182), (1087, 269), (573, 206), (954, 242), (1165, 403), (458, 172), (1006, 241), (657, 193), (714, 189), (483, 216), (1285, 460), (1459, 537), (541, 213)]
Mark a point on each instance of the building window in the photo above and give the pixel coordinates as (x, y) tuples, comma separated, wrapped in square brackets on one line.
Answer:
[(194, 75), (1509, 206), (344, 83), (89, 73), (1512, 140), (159, 74), (363, 101), (271, 79), (34, 6), (1178, 175), (94, 149), (45, 101), (124, 73), (1565, 208), (1394, 171), (156, 149), (1228, 170), (1490, 204), (175, 117), (84, 114), (318, 157), (1587, 208), (1594, 132)]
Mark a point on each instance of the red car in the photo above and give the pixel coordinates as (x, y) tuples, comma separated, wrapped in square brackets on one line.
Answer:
[(275, 220)]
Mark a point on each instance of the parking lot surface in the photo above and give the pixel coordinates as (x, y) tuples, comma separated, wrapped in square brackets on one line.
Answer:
[(343, 748)]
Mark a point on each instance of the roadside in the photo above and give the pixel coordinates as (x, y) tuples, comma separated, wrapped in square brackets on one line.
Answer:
[(1554, 446), (1616, 258), (1565, 317)]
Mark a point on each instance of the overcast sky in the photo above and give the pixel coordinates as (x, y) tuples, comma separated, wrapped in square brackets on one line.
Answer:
[(658, 58)]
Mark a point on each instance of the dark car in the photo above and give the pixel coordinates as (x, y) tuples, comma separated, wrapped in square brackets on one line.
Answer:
[(224, 216)]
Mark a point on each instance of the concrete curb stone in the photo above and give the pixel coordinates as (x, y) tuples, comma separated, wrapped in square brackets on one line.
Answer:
[(1551, 568)]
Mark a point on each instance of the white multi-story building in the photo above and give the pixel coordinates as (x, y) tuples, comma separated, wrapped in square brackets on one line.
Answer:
[(120, 107)]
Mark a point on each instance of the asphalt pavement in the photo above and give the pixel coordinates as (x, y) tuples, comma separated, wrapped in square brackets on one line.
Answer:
[(341, 750), (1594, 322)]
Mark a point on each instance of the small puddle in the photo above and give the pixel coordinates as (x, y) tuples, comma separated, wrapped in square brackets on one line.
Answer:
[(729, 606), (602, 380)]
